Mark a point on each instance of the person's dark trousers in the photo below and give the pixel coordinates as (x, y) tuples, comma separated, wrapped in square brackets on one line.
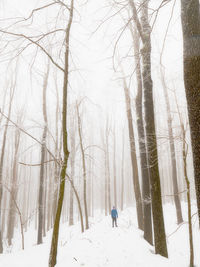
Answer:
[(114, 221)]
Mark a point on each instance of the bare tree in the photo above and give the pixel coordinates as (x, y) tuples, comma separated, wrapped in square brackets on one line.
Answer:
[(144, 31), (146, 194), (54, 242)]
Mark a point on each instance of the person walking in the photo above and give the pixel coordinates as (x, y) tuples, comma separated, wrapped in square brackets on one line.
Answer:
[(114, 216)]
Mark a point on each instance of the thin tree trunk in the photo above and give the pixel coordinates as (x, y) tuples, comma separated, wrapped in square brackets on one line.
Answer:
[(2, 159), (57, 153), (13, 191), (54, 241), (114, 169), (108, 168), (106, 185), (172, 153), (188, 199), (79, 204), (84, 170), (41, 200), (190, 15), (133, 158), (122, 174), (72, 161)]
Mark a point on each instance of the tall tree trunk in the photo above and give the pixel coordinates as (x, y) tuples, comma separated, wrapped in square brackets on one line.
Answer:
[(2, 159), (108, 167), (184, 149), (84, 169), (57, 154), (122, 174), (13, 190), (146, 194), (136, 184), (72, 162), (41, 198), (190, 16), (54, 241), (172, 153), (114, 169), (158, 220)]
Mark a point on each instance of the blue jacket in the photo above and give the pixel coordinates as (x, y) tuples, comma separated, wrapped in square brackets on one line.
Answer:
[(114, 213)]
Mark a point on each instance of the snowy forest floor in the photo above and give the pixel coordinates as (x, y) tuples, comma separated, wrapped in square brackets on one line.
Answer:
[(104, 246)]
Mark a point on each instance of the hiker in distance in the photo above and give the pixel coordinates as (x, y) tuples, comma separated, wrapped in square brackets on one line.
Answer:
[(114, 216)]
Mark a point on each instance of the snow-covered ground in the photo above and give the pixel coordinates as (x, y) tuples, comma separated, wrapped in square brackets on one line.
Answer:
[(104, 246)]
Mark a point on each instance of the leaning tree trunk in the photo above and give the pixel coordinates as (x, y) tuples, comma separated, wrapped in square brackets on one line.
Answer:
[(54, 241), (190, 15), (136, 184), (146, 194), (43, 148), (144, 30)]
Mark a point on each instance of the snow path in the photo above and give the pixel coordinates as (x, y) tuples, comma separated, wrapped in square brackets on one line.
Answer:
[(104, 246)]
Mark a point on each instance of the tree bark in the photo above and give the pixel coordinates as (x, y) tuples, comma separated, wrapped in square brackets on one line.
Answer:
[(146, 194), (43, 148), (2, 160), (144, 30), (136, 184), (114, 169), (54, 241), (72, 161), (184, 151), (84, 170), (173, 155), (190, 16), (13, 191), (122, 174)]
